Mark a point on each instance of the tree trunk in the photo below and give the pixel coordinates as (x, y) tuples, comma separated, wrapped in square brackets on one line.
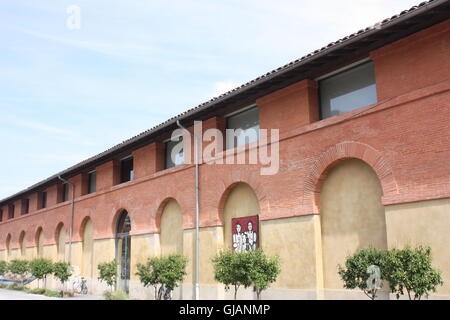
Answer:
[(409, 294)]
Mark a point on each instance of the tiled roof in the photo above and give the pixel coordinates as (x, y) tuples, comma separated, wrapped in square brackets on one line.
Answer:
[(278, 70), (309, 58)]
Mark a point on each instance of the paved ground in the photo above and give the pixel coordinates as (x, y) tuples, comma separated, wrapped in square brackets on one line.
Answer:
[(20, 295)]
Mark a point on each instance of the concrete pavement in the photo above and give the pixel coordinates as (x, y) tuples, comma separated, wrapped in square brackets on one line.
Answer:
[(20, 295)]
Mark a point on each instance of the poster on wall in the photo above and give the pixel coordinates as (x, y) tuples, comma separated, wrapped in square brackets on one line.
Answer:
[(245, 234)]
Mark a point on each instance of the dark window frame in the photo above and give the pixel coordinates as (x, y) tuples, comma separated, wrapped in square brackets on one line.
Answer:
[(167, 157), (42, 200), (341, 72), (91, 187), (126, 171), (234, 116), (65, 192), (25, 206), (11, 211)]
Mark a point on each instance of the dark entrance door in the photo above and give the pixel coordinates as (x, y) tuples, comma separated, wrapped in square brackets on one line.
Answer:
[(123, 251)]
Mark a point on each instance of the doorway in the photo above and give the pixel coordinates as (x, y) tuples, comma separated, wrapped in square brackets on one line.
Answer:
[(123, 251)]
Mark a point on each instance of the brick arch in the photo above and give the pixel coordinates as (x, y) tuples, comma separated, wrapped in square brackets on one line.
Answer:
[(58, 229), (229, 181), (226, 194), (115, 220), (340, 152), (160, 211), (8, 242), (22, 239), (37, 233), (84, 221)]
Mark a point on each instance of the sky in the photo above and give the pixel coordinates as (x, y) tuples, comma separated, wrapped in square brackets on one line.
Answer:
[(78, 77)]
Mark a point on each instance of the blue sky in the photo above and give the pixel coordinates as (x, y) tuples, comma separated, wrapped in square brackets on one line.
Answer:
[(66, 95)]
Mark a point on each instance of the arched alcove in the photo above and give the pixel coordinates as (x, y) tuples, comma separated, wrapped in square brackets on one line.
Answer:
[(60, 238), (241, 201), (22, 246), (171, 228), (351, 215), (87, 233), (123, 249), (39, 242), (8, 247)]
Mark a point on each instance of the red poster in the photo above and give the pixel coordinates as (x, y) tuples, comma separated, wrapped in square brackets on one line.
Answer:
[(245, 234)]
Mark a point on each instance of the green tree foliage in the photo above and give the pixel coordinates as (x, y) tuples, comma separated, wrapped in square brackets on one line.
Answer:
[(357, 271), (3, 267), (246, 269), (263, 271), (231, 269), (173, 271), (19, 267), (41, 268), (108, 273), (62, 271), (148, 273), (410, 270), (164, 273)]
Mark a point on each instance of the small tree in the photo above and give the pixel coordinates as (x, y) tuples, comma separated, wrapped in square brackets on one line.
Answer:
[(263, 271), (108, 273), (410, 269), (3, 267), (363, 270), (148, 273), (172, 272), (41, 268), (19, 268), (232, 269), (62, 271), (164, 273)]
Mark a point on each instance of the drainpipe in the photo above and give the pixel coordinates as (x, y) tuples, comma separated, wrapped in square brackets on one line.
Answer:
[(71, 218), (197, 214)]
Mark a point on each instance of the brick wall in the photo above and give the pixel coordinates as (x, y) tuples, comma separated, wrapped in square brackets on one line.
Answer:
[(405, 138)]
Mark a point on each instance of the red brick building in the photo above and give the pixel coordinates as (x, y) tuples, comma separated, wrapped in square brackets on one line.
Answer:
[(364, 154)]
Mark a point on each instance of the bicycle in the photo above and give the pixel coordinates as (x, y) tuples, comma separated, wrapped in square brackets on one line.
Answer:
[(80, 286)]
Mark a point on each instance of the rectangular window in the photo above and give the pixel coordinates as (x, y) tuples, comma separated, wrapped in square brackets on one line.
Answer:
[(126, 170), (348, 90), (65, 192), (11, 209), (174, 153), (25, 206), (42, 200), (92, 182), (245, 126)]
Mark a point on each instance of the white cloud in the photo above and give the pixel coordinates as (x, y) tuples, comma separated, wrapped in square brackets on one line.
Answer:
[(127, 52), (42, 127), (55, 132), (59, 158), (222, 87)]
